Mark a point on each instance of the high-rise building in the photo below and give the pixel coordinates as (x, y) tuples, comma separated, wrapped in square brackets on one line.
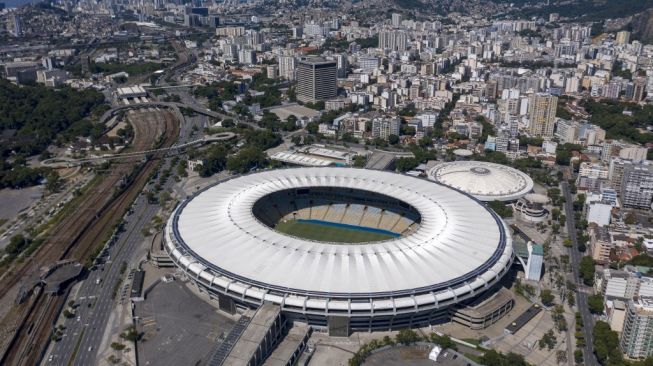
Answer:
[(341, 60), (287, 66), (396, 20), (639, 87), (15, 26), (316, 79), (247, 57), (393, 40), (541, 112), (637, 337), (383, 127), (368, 63), (623, 37), (567, 130), (637, 186), (612, 90)]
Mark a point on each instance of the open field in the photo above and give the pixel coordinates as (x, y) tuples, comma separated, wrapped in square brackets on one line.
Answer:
[(325, 231)]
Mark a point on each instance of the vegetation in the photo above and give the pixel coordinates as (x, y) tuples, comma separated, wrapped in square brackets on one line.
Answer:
[(547, 297), (406, 164), (494, 358), (548, 340), (131, 69), (609, 116), (642, 260), (404, 337), (587, 270), (606, 344), (500, 208), (595, 303), (38, 116), (586, 10)]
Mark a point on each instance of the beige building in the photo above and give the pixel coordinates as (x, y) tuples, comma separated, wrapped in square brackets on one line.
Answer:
[(541, 113), (601, 244)]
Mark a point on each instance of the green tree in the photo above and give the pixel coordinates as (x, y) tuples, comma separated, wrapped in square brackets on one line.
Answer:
[(595, 304), (500, 208), (547, 297), (246, 159), (586, 269), (407, 336), (406, 164), (606, 344)]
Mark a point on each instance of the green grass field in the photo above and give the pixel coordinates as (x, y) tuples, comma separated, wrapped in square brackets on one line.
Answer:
[(319, 232)]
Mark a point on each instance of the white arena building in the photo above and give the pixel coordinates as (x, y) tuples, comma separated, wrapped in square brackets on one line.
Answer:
[(448, 247), (483, 180)]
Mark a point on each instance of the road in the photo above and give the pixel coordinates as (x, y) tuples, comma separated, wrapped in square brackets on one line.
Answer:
[(89, 330), (95, 301), (581, 295)]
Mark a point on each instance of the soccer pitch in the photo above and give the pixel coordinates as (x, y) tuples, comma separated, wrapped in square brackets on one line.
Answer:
[(325, 231)]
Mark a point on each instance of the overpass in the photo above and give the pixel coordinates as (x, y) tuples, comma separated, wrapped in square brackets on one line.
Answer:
[(174, 105), (69, 162), (207, 112)]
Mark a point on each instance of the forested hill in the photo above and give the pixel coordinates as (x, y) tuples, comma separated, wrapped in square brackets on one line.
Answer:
[(39, 114)]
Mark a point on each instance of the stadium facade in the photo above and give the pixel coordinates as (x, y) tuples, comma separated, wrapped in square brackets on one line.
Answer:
[(450, 249)]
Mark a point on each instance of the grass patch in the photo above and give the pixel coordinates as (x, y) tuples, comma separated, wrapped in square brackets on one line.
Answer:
[(320, 232)]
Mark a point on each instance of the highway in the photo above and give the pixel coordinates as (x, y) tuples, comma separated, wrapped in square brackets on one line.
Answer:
[(581, 295), (84, 332), (85, 335)]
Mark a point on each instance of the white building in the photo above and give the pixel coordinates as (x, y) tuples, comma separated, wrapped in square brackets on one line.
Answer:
[(535, 260), (599, 213), (637, 337)]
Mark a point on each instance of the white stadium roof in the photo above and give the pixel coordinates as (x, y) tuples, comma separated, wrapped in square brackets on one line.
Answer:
[(483, 180), (459, 244)]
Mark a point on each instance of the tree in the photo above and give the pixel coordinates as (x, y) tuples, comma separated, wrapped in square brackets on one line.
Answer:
[(393, 139), (53, 181), (407, 336), (586, 268), (547, 297), (578, 356), (117, 346), (443, 341), (561, 357), (406, 164), (500, 208), (17, 244), (360, 161), (595, 304), (606, 344), (494, 358), (247, 159)]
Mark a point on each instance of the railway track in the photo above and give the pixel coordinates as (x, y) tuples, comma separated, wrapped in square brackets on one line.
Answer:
[(80, 233)]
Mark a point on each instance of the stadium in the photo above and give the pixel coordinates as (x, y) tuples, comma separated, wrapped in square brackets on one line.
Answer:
[(342, 248), (485, 181)]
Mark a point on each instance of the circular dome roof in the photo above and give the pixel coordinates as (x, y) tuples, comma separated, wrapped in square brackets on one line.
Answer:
[(483, 180), (462, 152)]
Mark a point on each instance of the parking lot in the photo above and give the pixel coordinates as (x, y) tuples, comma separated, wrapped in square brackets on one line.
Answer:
[(179, 327)]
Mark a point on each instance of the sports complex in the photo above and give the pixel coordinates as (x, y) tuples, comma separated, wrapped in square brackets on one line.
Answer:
[(340, 247), (483, 180)]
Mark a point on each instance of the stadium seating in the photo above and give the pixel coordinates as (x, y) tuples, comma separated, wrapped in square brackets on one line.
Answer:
[(351, 208)]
